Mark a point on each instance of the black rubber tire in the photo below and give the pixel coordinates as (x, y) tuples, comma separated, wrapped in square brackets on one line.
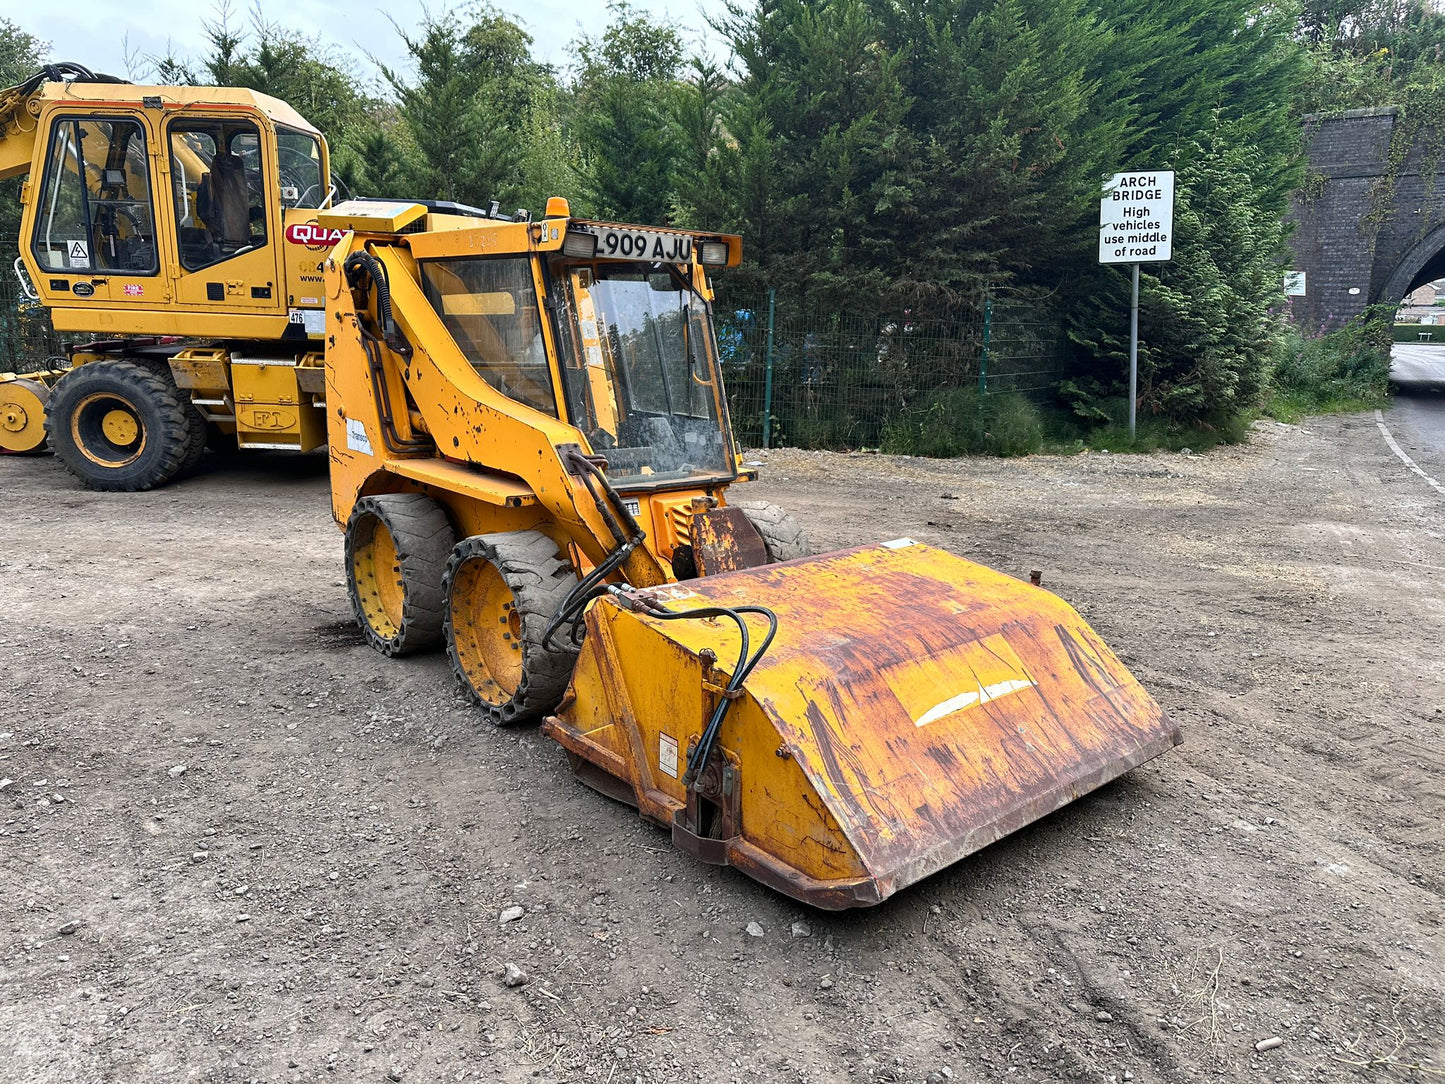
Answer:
[(783, 537), (196, 440), (81, 445), (422, 538), (197, 446), (539, 579)]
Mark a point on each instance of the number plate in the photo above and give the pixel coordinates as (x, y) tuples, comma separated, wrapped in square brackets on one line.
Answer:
[(654, 246)]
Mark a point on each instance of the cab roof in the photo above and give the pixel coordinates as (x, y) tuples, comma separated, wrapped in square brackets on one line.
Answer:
[(175, 98)]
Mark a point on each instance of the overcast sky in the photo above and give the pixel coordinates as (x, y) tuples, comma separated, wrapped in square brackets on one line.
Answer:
[(101, 33)]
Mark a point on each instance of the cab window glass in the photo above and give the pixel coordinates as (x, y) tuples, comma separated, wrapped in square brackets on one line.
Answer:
[(490, 309), (219, 191), (95, 205), (302, 183)]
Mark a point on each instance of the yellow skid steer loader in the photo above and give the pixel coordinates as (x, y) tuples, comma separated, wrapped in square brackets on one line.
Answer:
[(531, 459)]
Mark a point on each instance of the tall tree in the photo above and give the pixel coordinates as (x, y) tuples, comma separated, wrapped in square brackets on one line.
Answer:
[(469, 106), (21, 55), (624, 97)]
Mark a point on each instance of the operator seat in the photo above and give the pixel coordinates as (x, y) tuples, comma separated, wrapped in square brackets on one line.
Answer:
[(225, 202)]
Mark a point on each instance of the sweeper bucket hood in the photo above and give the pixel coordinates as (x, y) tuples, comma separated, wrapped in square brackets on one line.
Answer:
[(913, 708)]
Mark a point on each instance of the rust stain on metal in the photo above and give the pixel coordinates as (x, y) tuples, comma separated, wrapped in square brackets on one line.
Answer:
[(724, 540), (928, 706)]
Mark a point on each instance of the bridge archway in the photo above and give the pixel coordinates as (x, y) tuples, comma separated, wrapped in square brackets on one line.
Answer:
[(1366, 232), (1421, 264)]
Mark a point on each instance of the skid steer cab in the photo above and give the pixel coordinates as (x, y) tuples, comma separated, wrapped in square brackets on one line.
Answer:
[(178, 226), (531, 460)]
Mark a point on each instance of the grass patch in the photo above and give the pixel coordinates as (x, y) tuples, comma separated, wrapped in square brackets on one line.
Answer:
[(960, 421)]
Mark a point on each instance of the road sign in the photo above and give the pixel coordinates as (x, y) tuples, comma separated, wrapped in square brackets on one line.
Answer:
[(1136, 218)]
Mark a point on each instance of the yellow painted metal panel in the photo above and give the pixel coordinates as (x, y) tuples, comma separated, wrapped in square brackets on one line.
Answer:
[(371, 216), (914, 708), (202, 369), (270, 408), (458, 478)]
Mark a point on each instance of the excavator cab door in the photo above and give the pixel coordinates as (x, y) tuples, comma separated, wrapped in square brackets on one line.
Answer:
[(93, 230), (224, 205)]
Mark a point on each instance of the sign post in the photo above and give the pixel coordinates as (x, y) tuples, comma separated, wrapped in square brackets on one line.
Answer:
[(1136, 225)]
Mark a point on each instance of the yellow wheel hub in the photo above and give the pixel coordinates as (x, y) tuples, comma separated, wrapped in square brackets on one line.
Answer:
[(22, 415), (487, 631), (107, 430), (120, 426), (377, 571)]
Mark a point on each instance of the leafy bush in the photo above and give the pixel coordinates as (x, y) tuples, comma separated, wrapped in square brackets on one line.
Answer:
[(1346, 370)]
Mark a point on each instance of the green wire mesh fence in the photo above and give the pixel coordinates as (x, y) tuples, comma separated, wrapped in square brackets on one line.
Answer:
[(27, 341), (836, 380), (794, 377)]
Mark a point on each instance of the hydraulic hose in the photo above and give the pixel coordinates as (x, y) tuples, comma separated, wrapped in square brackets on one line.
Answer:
[(698, 761), (626, 533), (364, 271)]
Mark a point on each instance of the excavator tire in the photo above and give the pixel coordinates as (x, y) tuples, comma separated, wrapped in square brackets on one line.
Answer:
[(783, 538), (196, 447), (196, 437), (397, 546), (118, 425), (501, 592)]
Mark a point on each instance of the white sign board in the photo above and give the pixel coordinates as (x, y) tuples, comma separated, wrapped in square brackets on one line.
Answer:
[(1136, 218), (1294, 284)]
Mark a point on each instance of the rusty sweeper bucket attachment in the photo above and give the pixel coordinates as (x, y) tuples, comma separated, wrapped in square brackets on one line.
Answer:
[(913, 708)]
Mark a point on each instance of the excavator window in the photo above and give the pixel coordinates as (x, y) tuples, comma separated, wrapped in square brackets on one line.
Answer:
[(219, 190), (639, 370), (302, 183), (96, 215), (490, 308)]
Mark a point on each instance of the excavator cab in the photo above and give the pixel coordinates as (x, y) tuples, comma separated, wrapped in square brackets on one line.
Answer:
[(165, 209), (177, 224)]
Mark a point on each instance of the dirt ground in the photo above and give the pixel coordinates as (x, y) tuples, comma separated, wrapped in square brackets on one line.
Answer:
[(239, 845)]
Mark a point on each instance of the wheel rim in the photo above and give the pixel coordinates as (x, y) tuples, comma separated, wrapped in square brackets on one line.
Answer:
[(486, 631), (22, 415), (377, 571), (107, 429)]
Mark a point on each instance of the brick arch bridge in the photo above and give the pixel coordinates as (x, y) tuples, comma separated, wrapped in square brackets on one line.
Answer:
[(1354, 255)]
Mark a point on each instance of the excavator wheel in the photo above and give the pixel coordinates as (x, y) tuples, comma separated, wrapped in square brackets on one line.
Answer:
[(117, 424), (501, 591), (22, 415), (196, 434), (196, 442), (396, 553), (783, 538)]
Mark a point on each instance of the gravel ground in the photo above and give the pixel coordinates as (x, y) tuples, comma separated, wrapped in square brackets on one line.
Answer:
[(235, 844)]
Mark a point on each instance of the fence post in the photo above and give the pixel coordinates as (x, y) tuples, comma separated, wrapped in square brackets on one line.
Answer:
[(983, 354), (768, 371)]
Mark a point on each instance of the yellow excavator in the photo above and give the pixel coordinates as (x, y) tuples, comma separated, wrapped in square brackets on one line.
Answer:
[(178, 225), (532, 462)]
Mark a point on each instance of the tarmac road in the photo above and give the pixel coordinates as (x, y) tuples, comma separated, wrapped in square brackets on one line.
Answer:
[(1417, 417)]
